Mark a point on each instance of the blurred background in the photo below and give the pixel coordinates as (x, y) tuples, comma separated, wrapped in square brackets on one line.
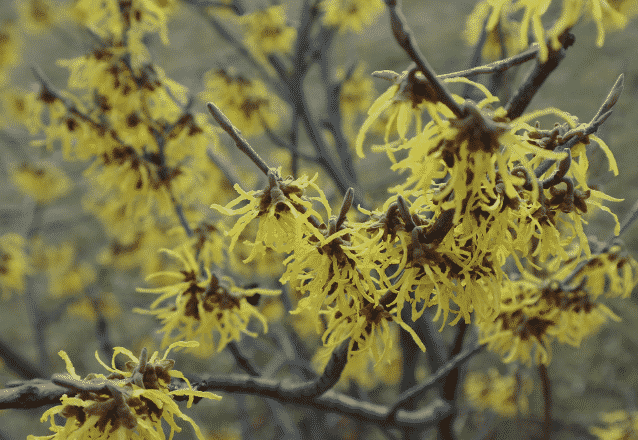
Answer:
[(600, 376)]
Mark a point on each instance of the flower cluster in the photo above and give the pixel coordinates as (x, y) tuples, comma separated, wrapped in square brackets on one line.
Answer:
[(266, 32), (246, 102), (202, 305), (15, 264), (331, 264), (620, 425), (350, 15), (126, 404), (502, 29), (44, 182), (506, 395), (560, 305)]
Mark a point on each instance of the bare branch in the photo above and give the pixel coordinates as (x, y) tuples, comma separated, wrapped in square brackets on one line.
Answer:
[(406, 40), (15, 362), (496, 66), (536, 77), (331, 373), (234, 133), (442, 373)]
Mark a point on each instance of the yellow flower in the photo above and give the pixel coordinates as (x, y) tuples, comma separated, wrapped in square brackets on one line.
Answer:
[(14, 264), (66, 275), (125, 405), (266, 32), (368, 326), (43, 181), (37, 16), (620, 425), (406, 99), (129, 24), (246, 102), (610, 273), (501, 31), (350, 14), (536, 312), (283, 210), (505, 395), (355, 98), (10, 45), (15, 105), (107, 305), (607, 16), (203, 306)]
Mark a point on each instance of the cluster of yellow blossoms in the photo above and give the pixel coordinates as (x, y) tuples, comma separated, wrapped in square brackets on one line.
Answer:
[(496, 18), (126, 404), (480, 191), (488, 220)]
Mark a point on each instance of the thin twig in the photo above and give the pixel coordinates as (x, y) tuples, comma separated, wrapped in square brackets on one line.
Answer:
[(579, 133), (331, 401), (15, 362), (452, 383), (547, 401), (496, 66), (226, 35), (612, 97), (224, 166), (406, 40), (345, 207), (629, 219), (244, 362), (537, 76), (442, 373), (234, 133), (477, 57)]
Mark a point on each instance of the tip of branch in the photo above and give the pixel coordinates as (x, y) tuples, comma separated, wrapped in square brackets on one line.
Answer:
[(345, 206), (613, 97)]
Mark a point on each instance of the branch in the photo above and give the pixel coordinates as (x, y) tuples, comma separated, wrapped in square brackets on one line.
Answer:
[(547, 400), (578, 134), (331, 374), (537, 76), (223, 32), (242, 360), (18, 364), (234, 133), (68, 104), (496, 66), (331, 401), (31, 394), (406, 40), (414, 392), (292, 147)]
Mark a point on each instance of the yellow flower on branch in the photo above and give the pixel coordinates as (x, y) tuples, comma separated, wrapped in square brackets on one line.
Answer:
[(14, 264), (534, 313), (44, 182), (266, 32), (619, 425), (283, 209), (246, 102), (126, 404), (369, 327), (607, 16), (350, 14), (203, 306)]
